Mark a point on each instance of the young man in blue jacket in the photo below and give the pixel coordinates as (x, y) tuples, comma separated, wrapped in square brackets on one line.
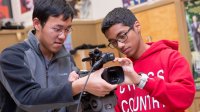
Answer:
[(34, 73)]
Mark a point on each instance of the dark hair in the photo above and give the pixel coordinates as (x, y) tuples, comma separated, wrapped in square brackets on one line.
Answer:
[(116, 16), (45, 8)]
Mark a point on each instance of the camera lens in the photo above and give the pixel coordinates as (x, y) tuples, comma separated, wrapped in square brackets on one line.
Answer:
[(113, 75)]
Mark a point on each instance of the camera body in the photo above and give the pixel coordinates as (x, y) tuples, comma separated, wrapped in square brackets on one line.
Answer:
[(113, 75)]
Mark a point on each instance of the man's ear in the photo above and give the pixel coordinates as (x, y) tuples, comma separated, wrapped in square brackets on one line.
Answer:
[(36, 24), (137, 26)]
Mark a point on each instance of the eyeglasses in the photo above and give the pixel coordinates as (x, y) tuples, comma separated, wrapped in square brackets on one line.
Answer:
[(113, 43), (60, 31)]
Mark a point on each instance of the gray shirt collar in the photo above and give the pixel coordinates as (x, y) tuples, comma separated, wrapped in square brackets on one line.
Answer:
[(34, 44)]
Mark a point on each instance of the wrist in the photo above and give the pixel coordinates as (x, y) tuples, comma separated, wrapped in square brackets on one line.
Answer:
[(137, 79), (143, 80), (77, 86)]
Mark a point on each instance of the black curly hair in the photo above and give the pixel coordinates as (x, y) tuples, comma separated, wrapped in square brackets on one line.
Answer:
[(116, 16)]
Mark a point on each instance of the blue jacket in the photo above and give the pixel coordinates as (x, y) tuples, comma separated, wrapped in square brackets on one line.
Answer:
[(29, 83)]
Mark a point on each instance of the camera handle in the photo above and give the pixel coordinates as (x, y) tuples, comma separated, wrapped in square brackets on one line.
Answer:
[(103, 104)]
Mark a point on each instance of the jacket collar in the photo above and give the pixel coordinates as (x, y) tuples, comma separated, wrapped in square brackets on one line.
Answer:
[(34, 44)]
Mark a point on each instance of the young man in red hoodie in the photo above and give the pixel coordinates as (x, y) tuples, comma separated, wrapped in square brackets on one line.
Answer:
[(158, 78)]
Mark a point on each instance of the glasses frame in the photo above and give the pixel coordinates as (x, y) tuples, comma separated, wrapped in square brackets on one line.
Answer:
[(60, 31), (114, 43)]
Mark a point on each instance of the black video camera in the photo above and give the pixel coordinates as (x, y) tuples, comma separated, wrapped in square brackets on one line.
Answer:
[(114, 74)]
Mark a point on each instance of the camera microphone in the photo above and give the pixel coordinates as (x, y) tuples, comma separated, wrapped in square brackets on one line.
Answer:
[(104, 58)]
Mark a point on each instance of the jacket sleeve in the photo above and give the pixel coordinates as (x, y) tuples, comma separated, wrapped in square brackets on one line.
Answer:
[(177, 90), (26, 93)]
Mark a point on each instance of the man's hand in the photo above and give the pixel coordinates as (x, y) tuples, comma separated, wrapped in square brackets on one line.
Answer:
[(98, 86), (73, 76), (131, 77), (95, 85)]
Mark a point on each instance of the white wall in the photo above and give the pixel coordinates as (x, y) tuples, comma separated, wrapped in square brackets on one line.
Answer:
[(100, 8), (97, 10), (18, 17)]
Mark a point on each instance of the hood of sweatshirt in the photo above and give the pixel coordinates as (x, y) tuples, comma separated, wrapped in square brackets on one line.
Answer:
[(157, 47)]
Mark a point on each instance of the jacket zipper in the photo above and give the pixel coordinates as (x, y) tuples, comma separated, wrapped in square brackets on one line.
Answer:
[(47, 77), (47, 74)]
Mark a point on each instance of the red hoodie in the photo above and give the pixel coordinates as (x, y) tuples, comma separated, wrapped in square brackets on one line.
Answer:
[(170, 87)]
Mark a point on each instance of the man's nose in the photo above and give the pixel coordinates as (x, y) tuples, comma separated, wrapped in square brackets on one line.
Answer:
[(63, 35), (120, 44)]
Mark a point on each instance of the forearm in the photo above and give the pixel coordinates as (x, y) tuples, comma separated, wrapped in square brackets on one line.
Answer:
[(175, 89), (176, 95), (29, 95), (35, 98), (77, 86)]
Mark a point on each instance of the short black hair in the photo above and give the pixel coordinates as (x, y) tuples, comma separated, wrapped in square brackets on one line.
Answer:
[(116, 16), (45, 8)]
